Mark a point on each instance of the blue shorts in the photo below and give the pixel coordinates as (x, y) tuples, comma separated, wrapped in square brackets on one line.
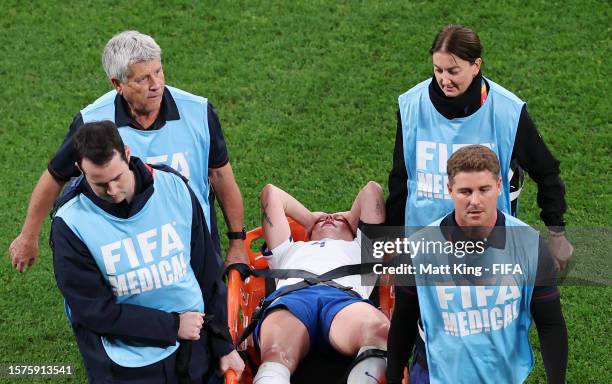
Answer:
[(314, 306)]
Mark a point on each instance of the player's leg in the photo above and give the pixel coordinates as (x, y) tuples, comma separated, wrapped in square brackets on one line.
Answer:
[(355, 330), (283, 341), (357, 325)]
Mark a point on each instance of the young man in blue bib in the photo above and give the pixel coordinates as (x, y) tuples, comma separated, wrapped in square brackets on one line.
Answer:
[(135, 262), (474, 322)]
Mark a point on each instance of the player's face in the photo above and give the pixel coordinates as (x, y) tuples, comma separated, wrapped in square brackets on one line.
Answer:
[(144, 88), (332, 226), (475, 195), (112, 181), (453, 74)]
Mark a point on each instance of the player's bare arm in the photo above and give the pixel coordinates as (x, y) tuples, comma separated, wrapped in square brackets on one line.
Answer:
[(276, 205), (368, 206)]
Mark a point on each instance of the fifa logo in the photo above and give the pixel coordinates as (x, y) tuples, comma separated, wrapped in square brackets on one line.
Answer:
[(146, 261), (178, 161)]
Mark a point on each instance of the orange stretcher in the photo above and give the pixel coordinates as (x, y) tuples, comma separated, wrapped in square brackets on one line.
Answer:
[(243, 297)]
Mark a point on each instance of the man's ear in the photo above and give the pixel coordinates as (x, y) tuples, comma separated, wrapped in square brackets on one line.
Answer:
[(117, 85), (128, 152), (449, 186), (79, 168)]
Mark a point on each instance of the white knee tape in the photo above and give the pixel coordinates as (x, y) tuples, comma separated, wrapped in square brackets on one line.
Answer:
[(272, 373)]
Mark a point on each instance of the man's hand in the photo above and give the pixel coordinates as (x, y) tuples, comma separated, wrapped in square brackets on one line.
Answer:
[(352, 219), (190, 324), (561, 250), (312, 220), (23, 251), (236, 253), (232, 361)]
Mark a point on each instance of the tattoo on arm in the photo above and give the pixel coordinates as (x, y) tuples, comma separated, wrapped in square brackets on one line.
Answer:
[(379, 208), (264, 215)]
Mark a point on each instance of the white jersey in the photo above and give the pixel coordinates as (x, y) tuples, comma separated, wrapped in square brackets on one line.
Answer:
[(319, 257)]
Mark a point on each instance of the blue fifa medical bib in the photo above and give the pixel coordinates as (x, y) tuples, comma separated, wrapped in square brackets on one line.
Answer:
[(429, 139), (146, 258), (479, 333), (181, 144)]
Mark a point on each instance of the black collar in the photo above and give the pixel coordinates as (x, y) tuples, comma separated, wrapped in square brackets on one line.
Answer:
[(168, 111), (496, 239), (144, 189), (460, 106)]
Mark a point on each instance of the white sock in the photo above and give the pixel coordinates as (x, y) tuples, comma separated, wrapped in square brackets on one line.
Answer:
[(272, 373), (370, 370)]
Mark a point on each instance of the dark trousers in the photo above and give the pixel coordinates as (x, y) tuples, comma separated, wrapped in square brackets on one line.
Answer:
[(166, 371)]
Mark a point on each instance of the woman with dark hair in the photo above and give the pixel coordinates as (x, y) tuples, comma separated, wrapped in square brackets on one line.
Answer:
[(458, 106)]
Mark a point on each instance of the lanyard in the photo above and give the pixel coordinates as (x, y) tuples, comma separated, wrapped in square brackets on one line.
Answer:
[(483, 91)]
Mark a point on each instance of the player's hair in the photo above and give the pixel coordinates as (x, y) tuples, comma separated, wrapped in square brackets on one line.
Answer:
[(473, 158), (458, 40), (97, 142), (126, 48)]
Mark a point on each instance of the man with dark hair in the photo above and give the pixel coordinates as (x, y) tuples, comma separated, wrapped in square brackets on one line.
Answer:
[(474, 322), (134, 261), (161, 124), (98, 144)]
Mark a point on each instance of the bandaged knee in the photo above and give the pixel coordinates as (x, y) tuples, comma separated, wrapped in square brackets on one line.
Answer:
[(272, 373), (370, 367)]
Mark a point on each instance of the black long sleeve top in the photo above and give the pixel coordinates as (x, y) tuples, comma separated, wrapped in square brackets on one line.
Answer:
[(530, 152)]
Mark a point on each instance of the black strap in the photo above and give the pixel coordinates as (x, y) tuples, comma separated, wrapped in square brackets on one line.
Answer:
[(237, 235), (283, 274), (347, 270), (242, 268), (372, 352), (246, 271)]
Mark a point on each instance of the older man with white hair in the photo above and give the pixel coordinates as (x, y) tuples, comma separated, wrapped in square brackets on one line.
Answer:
[(161, 124)]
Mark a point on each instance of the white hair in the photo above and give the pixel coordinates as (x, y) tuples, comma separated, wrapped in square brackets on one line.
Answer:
[(127, 48)]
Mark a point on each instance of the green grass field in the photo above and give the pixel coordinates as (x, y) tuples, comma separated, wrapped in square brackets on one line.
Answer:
[(306, 92)]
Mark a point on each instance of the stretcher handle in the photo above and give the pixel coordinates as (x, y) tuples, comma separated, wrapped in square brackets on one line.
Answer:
[(231, 377)]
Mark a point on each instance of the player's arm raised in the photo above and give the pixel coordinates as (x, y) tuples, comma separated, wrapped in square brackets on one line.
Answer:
[(276, 205), (368, 206)]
